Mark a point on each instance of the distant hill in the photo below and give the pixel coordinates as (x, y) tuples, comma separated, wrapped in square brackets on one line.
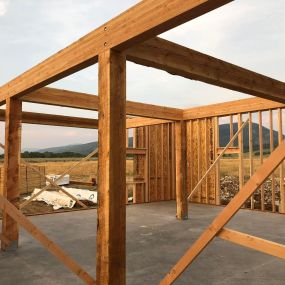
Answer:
[(85, 149), (225, 136)]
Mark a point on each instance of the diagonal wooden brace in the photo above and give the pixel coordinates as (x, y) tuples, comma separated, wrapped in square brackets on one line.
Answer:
[(270, 164), (53, 248)]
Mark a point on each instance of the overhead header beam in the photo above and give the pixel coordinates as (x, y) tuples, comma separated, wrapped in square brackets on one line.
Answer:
[(65, 98), (231, 108), (182, 61), (76, 122), (143, 21), (55, 120)]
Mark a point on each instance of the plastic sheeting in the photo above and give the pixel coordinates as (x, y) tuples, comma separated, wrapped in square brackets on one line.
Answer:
[(61, 200)]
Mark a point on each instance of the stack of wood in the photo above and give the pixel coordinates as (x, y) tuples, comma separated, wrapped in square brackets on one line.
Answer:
[(29, 179)]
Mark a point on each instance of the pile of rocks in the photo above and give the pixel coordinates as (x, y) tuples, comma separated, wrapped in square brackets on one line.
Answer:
[(230, 187)]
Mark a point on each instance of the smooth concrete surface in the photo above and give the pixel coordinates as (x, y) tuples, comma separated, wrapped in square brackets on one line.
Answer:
[(155, 241)]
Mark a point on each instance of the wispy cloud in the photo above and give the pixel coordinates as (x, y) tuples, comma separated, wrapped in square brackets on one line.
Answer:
[(3, 7)]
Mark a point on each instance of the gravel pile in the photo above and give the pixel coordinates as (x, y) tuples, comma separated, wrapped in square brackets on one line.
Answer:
[(230, 187)]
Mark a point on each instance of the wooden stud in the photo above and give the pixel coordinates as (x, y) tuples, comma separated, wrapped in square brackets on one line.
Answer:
[(240, 144), (111, 228), (231, 126), (281, 168), (218, 178), (261, 157), (12, 157), (250, 149), (269, 165), (206, 158), (199, 170), (180, 155), (271, 150), (217, 160)]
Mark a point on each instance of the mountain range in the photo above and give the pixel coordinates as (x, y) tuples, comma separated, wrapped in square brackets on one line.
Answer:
[(86, 148)]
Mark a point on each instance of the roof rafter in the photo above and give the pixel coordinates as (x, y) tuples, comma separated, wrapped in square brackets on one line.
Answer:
[(182, 61), (141, 22), (65, 98)]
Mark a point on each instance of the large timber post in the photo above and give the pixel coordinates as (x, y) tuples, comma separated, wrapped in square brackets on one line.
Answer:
[(180, 170), (12, 157), (111, 229)]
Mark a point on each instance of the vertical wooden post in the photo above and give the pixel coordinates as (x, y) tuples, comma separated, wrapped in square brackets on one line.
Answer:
[(12, 157), (271, 150), (180, 157), (281, 167), (250, 140), (217, 145), (147, 165), (111, 228), (206, 159), (262, 201), (240, 144), (199, 170), (231, 127)]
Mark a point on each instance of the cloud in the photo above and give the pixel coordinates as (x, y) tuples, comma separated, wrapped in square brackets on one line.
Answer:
[(3, 7)]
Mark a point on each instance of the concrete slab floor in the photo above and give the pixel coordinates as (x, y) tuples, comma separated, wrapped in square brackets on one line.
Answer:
[(155, 241)]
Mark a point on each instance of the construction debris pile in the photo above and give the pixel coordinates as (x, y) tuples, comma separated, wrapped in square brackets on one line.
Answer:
[(230, 187)]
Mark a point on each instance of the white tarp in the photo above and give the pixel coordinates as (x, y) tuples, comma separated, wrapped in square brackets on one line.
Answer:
[(62, 181), (61, 200)]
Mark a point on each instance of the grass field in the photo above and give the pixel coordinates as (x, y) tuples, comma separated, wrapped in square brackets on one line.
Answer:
[(84, 172), (87, 170)]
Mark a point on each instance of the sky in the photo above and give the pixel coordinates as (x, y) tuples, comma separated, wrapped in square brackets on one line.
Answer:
[(249, 33)]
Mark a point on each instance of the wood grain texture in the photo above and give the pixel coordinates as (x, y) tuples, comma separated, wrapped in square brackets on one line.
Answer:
[(141, 22), (231, 108), (270, 164), (11, 189), (66, 98), (111, 232), (182, 61), (180, 156), (252, 242)]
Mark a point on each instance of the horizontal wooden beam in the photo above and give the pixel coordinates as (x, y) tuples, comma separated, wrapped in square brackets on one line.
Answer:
[(182, 61), (66, 98), (131, 150), (141, 22), (76, 122), (55, 120), (230, 150), (256, 243), (142, 122), (231, 108), (257, 179)]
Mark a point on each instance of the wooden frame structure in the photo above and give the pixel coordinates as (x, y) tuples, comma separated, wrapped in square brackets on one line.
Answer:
[(133, 37)]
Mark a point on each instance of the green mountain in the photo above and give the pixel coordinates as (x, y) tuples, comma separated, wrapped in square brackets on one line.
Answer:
[(83, 149), (86, 148), (225, 136)]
